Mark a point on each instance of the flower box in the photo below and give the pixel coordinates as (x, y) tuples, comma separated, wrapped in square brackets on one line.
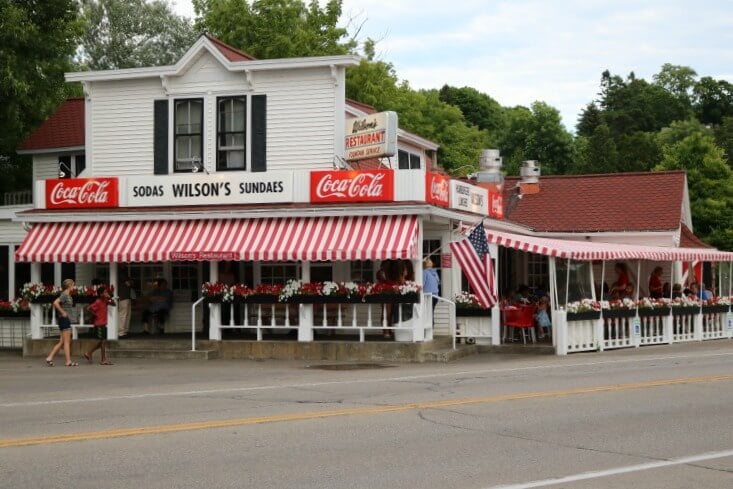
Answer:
[(312, 299), (44, 299), (619, 313), (584, 316), (15, 314), (472, 312), (685, 310), (715, 308), (657, 311), (409, 298), (258, 299)]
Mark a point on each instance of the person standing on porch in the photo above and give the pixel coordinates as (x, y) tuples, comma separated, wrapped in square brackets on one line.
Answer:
[(655, 283), (64, 306), (125, 292), (430, 280), (618, 289)]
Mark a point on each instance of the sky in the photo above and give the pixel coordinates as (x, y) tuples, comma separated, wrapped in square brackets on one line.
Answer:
[(523, 51)]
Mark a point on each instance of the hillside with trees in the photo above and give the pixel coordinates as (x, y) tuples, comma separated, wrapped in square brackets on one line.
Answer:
[(676, 120)]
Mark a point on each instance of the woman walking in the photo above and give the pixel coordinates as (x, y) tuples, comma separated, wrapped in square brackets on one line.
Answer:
[(63, 306)]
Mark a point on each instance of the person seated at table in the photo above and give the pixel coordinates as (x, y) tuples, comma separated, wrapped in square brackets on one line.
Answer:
[(522, 295), (692, 291), (655, 283), (159, 303), (628, 292), (676, 291), (666, 290), (618, 288)]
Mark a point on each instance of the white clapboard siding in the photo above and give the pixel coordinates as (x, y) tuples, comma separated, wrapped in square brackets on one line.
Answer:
[(122, 126), (204, 74), (45, 166), (11, 232)]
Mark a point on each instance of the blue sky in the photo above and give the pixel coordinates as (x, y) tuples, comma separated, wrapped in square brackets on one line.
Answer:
[(553, 51)]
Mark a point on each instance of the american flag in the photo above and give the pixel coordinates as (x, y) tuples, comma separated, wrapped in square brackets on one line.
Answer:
[(473, 256)]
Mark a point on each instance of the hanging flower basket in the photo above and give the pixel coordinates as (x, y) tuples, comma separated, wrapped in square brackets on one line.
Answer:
[(584, 316), (472, 312), (715, 308), (651, 312), (619, 313)]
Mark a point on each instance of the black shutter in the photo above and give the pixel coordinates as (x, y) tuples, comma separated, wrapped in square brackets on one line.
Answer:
[(259, 133), (160, 138)]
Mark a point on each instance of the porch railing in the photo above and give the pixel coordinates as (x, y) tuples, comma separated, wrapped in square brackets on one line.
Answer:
[(648, 329)]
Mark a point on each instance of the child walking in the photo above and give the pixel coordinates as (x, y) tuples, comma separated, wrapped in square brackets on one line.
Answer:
[(542, 317), (99, 309)]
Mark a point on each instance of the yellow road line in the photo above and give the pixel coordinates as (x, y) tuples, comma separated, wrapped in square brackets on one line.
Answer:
[(395, 408)]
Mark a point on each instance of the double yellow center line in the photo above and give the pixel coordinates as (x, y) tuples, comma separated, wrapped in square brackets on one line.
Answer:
[(394, 408)]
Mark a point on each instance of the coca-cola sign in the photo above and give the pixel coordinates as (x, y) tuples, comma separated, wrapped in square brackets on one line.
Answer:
[(437, 189), (82, 193), (352, 186)]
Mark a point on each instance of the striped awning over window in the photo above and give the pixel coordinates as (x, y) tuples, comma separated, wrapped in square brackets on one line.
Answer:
[(267, 239)]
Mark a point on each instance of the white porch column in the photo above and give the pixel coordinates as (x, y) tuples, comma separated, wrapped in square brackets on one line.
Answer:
[(561, 333), (12, 286), (420, 313), (496, 310), (305, 311), (214, 309), (36, 309), (114, 312)]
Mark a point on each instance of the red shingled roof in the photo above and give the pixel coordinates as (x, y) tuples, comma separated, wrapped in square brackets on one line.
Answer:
[(229, 52), (63, 129), (597, 203), (361, 106)]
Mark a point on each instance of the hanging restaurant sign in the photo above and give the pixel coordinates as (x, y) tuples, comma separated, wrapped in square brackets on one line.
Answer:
[(352, 186), (436, 189), (210, 189), (82, 193), (371, 136)]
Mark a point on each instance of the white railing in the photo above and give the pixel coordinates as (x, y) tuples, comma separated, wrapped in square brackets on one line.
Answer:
[(44, 324), (13, 331), (629, 332), (193, 322), (414, 323)]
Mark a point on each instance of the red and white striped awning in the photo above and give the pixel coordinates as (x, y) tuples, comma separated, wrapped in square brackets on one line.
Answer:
[(267, 239), (592, 250)]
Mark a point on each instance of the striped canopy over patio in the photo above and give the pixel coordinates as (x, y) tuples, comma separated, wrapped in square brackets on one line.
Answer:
[(589, 250)]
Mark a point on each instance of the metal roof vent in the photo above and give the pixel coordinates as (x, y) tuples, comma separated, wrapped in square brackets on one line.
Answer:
[(530, 171), (489, 166)]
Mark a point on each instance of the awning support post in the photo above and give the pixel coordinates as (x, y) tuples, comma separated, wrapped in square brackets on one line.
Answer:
[(114, 313), (214, 309), (36, 310), (305, 311)]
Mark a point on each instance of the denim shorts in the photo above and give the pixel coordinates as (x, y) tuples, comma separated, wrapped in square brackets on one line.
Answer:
[(64, 323)]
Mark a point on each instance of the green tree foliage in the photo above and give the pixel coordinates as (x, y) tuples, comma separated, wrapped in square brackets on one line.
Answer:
[(37, 40), (536, 134), (478, 108), (677, 80), (590, 118), (597, 153), (724, 138), (270, 29), (132, 33), (713, 100), (709, 180)]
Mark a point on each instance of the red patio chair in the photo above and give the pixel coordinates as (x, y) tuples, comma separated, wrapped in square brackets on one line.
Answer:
[(521, 317)]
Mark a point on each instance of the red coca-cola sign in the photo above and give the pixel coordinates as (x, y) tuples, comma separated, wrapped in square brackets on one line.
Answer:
[(82, 193), (437, 189), (352, 186)]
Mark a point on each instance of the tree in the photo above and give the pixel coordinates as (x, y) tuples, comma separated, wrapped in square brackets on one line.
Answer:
[(276, 28), (132, 33), (709, 181), (724, 138), (677, 80), (589, 120), (478, 108), (597, 153), (713, 100), (37, 40)]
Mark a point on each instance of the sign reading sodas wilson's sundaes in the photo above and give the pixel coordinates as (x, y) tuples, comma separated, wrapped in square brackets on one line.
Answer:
[(202, 189), (371, 136), (82, 193), (437, 189), (352, 186)]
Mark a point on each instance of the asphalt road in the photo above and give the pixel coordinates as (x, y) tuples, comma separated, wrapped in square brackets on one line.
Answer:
[(655, 417)]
